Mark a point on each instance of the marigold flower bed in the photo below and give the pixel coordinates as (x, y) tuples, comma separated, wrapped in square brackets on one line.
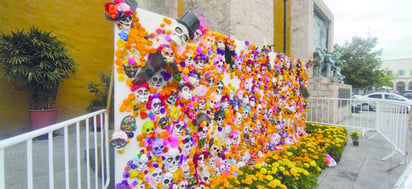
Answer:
[(296, 166)]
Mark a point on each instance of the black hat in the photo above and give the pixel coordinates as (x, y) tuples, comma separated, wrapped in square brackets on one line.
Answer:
[(131, 3), (191, 22)]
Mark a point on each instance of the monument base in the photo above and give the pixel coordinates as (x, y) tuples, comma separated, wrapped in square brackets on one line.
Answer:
[(328, 108)]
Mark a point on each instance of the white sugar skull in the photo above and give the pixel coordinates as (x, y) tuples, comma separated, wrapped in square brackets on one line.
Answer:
[(186, 170), (220, 44), (167, 180), (203, 132), (155, 176), (158, 145), (202, 160), (202, 104), (198, 35), (168, 54), (246, 111), (219, 87), (252, 101), (274, 139), (141, 162), (238, 120), (172, 159), (119, 140), (180, 34), (214, 150), (183, 184), (178, 128), (248, 84), (156, 81), (270, 113), (187, 146), (219, 62), (246, 132), (204, 176), (210, 40), (211, 81), (142, 94), (186, 93), (227, 131), (235, 137), (259, 109), (171, 99), (156, 106), (212, 162), (126, 23), (239, 63)]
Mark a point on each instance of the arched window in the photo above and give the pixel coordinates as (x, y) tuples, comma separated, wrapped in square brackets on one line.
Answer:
[(410, 86), (400, 86)]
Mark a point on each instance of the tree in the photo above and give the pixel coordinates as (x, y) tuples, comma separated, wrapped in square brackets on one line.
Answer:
[(361, 64)]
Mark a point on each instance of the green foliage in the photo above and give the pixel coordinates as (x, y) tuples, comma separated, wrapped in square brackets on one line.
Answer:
[(361, 63), (36, 61), (100, 91)]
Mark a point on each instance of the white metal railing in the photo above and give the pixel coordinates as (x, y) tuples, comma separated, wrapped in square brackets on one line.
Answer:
[(63, 159), (390, 119)]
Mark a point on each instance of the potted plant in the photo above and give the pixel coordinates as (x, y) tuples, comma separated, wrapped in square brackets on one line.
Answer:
[(100, 90), (37, 62), (355, 137)]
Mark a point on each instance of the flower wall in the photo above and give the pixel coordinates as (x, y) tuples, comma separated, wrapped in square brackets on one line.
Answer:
[(192, 104)]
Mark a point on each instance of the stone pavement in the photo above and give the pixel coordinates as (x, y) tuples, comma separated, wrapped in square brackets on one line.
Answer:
[(362, 167)]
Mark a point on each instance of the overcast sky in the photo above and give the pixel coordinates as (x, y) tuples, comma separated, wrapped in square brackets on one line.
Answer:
[(388, 20)]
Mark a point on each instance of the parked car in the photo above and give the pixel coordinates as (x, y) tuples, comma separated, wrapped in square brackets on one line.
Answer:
[(367, 103), (407, 94)]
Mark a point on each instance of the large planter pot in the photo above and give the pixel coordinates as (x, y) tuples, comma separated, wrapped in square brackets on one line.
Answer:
[(42, 118), (355, 143)]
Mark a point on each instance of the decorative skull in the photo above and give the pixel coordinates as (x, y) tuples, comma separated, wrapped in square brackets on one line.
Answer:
[(189, 61), (214, 150), (203, 132), (198, 35), (180, 34), (219, 87), (148, 129), (219, 117), (238, 120), (186, 93), (201, 59), (156, 81), (156, 176), (119, 140), (201, 162), (142, 93), (128, 125), (178, 128), (141, 161), (187, 145), (204, 176), (167, 53), (224, 102), (259, 109), (183, 184), (274, 139), (219, 62), (239, 63), (172, 158), (202, 103), (125, 23), (235, 137), (167, 180), (158, 145), (172, 98), (156, 104), (164, 122), (246, 111), (186, 170)]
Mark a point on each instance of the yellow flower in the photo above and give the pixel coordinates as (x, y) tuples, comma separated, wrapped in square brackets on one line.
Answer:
[(313, 164), (258, 166), (269, 177), (281, 168), (293, 171)]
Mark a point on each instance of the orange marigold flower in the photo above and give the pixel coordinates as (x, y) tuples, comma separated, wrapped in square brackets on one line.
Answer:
[(167, 20)]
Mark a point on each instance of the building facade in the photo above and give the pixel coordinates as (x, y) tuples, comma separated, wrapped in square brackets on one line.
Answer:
[(402, 70)]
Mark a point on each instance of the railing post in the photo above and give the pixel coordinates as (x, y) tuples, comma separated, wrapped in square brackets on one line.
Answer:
[(2, 169), (29, 150)]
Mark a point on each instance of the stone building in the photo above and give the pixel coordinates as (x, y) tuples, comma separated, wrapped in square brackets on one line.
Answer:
[(402, 70)]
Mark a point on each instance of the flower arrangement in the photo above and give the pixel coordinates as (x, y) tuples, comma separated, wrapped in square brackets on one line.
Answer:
[(355, 137), (296, 166)]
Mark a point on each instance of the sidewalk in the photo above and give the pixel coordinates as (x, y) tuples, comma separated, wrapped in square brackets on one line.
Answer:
[(362, 167)]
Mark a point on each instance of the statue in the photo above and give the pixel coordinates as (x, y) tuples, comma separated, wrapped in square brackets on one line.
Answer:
[(337, 76), (325, 63), (318, 56)]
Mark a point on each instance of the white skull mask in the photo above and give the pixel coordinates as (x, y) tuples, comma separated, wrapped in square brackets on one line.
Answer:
[(203, 132), (235, 137), (227, 131), (252, 101), (202, 160), (219, 63), (142, 94), (186, 170), (186, 93), (220, 44), (187, 148), (156, 106), (211, 82), (214, 150), (204, 176), (156, 81), (172, 99), (219, 87), (200, 64), (183, 184), (275, 139), (198, 35), (239, 64), (259, 109), (180, 34), (172, 160), (246, 113), (126, 23), (202, 104), (238, 120), (168, 54), (167, 180), (158, 147), (189, 60), (156, 176), (270, 113), (141, 163), (178, 128)]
